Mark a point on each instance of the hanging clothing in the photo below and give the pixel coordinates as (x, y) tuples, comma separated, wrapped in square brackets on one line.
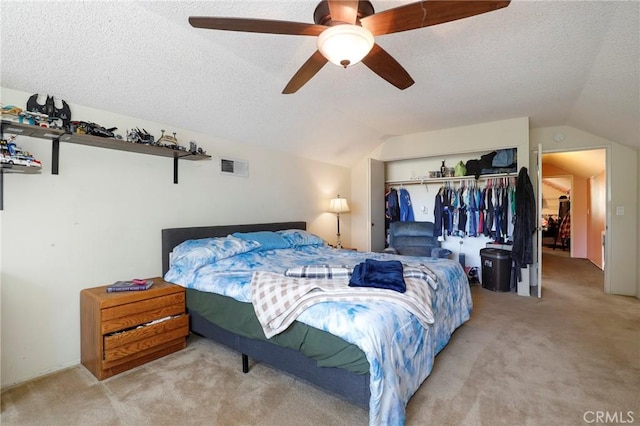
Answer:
[(438, 210), (406, 209), (511, 211), (482, 211), (462, 213), (473, 213), (464, 210), (504, 214), (564, 233), (525, 223), (564, 206), (393, 206), (489, 218), (447, 217), (565, 227)]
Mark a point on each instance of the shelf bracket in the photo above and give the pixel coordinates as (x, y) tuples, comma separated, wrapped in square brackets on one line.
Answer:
[(55, 156), (175, 170), (1, 189)]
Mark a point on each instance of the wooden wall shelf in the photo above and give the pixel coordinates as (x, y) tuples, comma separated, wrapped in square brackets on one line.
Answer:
[(96, 141), (122, 145), (58, 135), (30, 130), (17, 168)]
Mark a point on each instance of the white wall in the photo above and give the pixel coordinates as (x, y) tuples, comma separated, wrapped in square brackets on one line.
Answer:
[(597, 219), (622, 183), (99, 221)]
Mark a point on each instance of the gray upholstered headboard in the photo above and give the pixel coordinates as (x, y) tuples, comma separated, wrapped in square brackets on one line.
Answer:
[(171, 237)]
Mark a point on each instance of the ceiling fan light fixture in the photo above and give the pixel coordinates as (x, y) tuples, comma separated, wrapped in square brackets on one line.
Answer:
[(345, 44)]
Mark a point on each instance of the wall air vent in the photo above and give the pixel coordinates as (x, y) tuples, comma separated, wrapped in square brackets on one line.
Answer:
[(234, 167)]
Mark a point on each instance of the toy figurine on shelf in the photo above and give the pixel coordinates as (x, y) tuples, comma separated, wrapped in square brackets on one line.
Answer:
[(11, 110), (195, 150), (140, 136), (18, 115), (12, 155), (170, 141), (87, 128), (51, 109)]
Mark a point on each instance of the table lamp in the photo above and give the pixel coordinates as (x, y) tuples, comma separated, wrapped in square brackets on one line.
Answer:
[(337, 206)]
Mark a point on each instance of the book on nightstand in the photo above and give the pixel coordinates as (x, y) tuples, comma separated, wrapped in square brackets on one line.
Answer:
[(135, 285)]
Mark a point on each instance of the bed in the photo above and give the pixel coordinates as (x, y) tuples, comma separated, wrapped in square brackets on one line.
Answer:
[(330, 344)]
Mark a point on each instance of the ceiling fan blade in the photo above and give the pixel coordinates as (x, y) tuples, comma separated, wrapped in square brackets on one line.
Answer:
[(256, 25), (306, 71), (343, 10), (426, 13), (383, 64)]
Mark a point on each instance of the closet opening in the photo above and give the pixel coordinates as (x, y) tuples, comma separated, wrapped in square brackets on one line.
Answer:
[(467, 197)]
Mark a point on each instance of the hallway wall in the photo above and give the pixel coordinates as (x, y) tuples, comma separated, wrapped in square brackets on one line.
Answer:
[(596, 218)]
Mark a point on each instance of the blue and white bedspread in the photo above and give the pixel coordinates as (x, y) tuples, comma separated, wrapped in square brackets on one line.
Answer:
[(400, 350)]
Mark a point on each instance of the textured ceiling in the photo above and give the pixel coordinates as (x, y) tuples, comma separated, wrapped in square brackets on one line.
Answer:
[(570, 63)]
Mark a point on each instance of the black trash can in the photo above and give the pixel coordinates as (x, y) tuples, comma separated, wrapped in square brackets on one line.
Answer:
[(496, 269)]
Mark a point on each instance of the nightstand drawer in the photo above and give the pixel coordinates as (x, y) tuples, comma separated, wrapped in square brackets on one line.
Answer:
[(124, 322), (145, 331), (134, 341), (142, 306)]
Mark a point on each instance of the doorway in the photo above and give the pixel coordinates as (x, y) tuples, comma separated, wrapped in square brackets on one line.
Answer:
[(574, 184), (556, 206)]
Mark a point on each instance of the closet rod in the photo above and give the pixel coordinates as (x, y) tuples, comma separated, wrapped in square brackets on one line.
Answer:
[(421, 181)]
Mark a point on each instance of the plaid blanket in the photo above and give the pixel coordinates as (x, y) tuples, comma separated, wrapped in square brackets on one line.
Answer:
[(331, 271), (320, 271), (422, 272), (278, 300)]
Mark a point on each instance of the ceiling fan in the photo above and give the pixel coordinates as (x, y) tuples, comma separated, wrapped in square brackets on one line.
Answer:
[(346, 31)]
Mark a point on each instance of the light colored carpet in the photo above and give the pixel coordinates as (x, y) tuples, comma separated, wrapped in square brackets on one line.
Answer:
[(518, 361)]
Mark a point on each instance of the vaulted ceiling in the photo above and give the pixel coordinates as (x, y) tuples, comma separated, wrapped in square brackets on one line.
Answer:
[(570, 63)]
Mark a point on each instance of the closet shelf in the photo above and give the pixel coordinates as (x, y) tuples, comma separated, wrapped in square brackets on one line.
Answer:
[(422, 181)]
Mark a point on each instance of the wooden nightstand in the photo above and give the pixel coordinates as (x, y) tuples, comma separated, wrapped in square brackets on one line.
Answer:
[(119, 331)]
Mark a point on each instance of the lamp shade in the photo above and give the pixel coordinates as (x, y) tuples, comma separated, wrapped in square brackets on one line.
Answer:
[(338, 205), (345, 44)]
